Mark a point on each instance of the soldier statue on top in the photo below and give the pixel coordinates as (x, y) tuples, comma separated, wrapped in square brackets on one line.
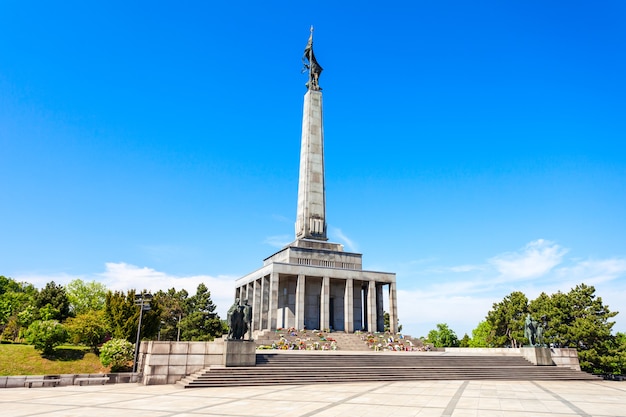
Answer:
[(311, 66)]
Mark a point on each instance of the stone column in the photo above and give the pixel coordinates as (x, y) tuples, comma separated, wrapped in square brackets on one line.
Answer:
[(256, 305), (300, 286), (325, 304), (371, 306), (273, 301), (380, 309), (393, 308), (348, 303), (264, 303)]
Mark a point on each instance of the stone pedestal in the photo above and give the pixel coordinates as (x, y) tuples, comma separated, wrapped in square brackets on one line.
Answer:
[(539, 356), (239, 353)]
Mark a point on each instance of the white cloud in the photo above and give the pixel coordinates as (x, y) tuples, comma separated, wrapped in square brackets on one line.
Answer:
[(462, 295), (420, 311), (278, 241), (536, 259), (341, 237), (123, 277), (594, 271)]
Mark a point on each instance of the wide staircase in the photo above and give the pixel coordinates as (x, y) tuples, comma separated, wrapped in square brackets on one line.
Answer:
[(302, 367)]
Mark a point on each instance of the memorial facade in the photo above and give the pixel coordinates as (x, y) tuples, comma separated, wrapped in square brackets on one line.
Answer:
[(312, 283)]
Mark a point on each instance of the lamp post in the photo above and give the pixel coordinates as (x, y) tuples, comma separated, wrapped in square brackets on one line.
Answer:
[(143, 301)]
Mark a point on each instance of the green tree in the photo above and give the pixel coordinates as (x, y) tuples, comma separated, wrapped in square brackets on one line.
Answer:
[(443, 336), (88, 328), (85, 296), (122, 316), (615, 361), (173, 307), (482, 335), (54, 296), (507, 320), (465, 341), (577, 319), (584, 323), (386, 323), (117, 353), (201, 321), (17, 309), (46, 335)]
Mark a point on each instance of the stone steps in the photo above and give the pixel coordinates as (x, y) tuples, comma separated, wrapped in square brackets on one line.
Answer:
[(309, 368)]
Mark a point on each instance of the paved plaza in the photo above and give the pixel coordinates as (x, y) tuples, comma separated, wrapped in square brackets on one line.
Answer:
[(379, 399)]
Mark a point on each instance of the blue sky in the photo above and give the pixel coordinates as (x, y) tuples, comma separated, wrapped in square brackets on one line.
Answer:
[(474, 148)]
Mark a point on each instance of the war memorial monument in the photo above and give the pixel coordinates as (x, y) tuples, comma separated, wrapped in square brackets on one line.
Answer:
[(312, 283)]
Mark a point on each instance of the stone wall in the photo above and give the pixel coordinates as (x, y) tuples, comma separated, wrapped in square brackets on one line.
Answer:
[(168, 362), (563, 357), (20, 381)]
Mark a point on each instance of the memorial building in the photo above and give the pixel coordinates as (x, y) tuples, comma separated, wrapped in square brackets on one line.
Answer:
[(312, 283)]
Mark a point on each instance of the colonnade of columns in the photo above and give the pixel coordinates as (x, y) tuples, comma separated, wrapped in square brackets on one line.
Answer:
[(314, 302)]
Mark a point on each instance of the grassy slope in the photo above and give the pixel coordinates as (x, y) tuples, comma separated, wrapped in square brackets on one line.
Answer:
[(25, 360)]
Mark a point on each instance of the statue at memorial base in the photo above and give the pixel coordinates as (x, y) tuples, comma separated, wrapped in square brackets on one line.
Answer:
[(239, 317), (533, 331)]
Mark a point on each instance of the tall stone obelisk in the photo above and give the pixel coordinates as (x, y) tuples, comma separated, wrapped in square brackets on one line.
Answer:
[(311, 216)]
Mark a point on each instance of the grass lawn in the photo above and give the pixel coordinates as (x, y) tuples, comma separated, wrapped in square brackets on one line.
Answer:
[(25, 360)]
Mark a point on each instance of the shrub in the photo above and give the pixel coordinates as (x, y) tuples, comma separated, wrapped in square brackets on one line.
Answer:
[(45, 335), (117, 353), (87, 328)]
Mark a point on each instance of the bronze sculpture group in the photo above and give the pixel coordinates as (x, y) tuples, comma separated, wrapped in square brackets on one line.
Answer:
[(239, 317), (533, 331)]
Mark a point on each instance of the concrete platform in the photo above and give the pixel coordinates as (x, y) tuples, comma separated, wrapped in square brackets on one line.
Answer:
[(397, 399)]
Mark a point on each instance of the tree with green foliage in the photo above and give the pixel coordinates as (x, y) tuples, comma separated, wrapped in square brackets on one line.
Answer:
[(465, 341), (86, 296), (507, 320), (88, 328), (117, 353), (482, 335), (201, 321), (577, 319), (580, 320), (615, 361), (17, 309), (173, 308), (386, 326), (443, 336), (46, 335), (53, 299), (122, 316)]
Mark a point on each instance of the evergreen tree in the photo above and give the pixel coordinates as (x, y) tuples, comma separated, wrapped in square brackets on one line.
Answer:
[(53, 299), (507, 320), (173, 308), (577, 319), (465, 341), (122, 316), (201, 321)]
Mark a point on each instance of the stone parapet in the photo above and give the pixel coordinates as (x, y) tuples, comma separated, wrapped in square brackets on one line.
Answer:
[(169, 362), (565, 357)]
